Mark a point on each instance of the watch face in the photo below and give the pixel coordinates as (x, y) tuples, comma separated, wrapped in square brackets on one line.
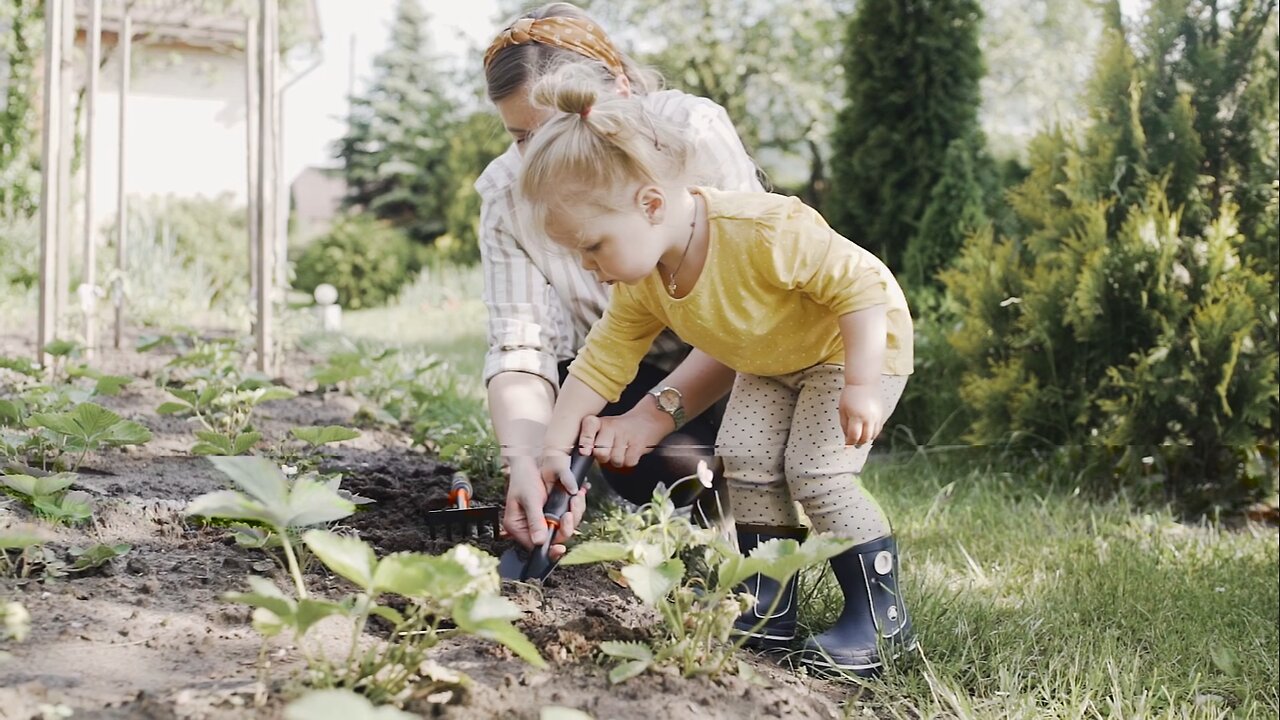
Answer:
[(669, 399)]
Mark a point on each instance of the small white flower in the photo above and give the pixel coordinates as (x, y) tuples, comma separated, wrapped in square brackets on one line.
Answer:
[(289, 470), (704, 474)]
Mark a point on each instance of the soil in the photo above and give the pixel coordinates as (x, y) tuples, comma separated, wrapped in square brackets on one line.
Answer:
[(148, 635)]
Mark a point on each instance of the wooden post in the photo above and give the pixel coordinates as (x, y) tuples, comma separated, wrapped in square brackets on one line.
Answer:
[(125, 40), (268, 33), (50, 153), (251, 142), (62, 277), (89, 296)]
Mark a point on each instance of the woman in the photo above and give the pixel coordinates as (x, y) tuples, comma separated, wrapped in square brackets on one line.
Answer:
[(541, 302)]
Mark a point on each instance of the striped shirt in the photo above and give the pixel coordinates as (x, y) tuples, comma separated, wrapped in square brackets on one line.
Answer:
[(541, 302)]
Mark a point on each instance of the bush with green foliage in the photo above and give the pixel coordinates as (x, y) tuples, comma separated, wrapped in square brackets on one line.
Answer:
[(367, 260), (912, 72), (1130, 320)]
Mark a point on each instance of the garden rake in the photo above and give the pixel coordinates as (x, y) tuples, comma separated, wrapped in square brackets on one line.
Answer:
[(461, 517)]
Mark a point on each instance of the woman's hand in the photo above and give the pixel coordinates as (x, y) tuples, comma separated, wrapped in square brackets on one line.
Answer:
[(861, 414), (621, 440), (556, 471)]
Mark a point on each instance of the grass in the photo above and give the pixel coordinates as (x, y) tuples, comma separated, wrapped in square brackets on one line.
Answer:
[(441, 313), (1031, 602)]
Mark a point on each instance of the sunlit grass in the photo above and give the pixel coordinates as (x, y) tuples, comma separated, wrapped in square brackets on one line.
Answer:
[(440, 313), (1032, 602)]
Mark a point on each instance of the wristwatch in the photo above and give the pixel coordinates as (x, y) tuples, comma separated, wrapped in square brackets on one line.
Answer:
[(671, 402)]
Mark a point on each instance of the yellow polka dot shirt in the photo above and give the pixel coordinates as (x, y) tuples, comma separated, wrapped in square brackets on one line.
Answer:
[(775, 282)]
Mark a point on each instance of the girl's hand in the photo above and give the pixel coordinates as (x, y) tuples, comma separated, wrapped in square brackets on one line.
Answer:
[(861, 416), (621, 440), (556, 471)]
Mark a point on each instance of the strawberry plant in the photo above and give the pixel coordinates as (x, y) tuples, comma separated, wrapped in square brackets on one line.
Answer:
[(691, 576), (49, 496), (460, 586), (208, 386)]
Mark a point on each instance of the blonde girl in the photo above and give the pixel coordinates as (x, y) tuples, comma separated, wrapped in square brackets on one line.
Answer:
[(816, 328), (541, 303)]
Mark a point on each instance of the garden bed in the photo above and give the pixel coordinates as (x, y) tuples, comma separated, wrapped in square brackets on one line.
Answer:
[(149, 635)]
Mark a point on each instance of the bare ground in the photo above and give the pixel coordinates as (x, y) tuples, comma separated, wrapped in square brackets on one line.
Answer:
[(150, 637)]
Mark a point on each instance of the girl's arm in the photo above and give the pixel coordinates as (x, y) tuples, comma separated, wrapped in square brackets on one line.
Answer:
[(623, 439), (864, 333)]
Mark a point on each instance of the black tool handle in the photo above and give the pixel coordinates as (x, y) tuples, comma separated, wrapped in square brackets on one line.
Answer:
[(539, 564)]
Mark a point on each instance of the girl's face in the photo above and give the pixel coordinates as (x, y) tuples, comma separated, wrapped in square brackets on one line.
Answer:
[(614, 245)]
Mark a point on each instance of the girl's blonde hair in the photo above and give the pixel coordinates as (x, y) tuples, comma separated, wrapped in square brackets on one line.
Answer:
[(518, 66), (600, 145)]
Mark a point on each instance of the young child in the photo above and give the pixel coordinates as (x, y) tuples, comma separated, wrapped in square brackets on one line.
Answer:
[(816, 328)]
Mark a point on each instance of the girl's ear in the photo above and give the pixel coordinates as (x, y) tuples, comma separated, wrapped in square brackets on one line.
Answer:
[(653, 203)]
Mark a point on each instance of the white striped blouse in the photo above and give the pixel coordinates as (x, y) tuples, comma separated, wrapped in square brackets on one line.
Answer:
[(541, 302)]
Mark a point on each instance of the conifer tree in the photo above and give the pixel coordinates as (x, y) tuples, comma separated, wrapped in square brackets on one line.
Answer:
[(912, 71), (396, 151)]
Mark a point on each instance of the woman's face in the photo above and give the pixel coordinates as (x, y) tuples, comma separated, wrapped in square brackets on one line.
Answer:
[(521, 118)]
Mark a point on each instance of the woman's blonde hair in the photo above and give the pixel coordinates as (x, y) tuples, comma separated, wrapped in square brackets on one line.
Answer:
[(517, 66), (600, 144)]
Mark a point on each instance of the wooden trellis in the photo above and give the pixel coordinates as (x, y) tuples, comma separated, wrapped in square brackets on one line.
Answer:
[(261, 39)]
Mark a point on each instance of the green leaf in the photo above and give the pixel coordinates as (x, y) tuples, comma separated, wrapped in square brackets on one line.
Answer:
[(111, 384), (312, 503), (391, 615), (311, 611), (39, 486), (231, 505), (96, 556), (187, 396), (275, 392), (75, 506), (61, 348), (321, 435), (170, 407), (782, 558), (488, 616), (627, 650), (259, 477), (244, 441), (593, 552), (653, 584), (340, 705), (627, 670), (349, 557), (21, 366), (20, 539), (212, 443), (10, 412), (90, 425)]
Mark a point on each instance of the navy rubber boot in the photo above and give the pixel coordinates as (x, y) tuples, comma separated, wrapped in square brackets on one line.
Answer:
[(765, 630), (874, 619)]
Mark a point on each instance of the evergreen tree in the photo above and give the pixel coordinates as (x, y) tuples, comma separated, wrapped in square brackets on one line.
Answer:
[(955, 210), (396, 151), (912, 71)]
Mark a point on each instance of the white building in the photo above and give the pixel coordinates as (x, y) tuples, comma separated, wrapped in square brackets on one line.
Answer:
[(186, 119)]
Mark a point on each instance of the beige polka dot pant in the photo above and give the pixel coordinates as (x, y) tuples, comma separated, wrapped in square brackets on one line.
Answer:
[(782, 443)]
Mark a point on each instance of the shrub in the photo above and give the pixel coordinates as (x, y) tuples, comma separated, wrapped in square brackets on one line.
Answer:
[(367, 260)]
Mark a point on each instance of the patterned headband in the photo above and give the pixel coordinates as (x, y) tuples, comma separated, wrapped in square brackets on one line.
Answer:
[(579, 36)]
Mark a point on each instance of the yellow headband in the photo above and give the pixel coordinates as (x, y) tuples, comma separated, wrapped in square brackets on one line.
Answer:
[(579, 36)]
